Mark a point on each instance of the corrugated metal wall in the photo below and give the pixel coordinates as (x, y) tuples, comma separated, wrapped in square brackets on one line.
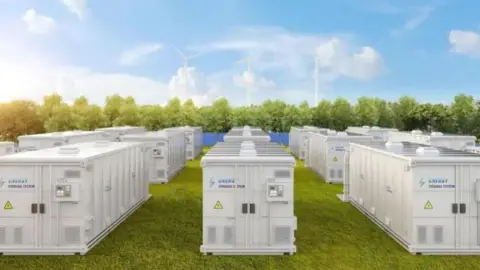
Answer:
[(210, 139)]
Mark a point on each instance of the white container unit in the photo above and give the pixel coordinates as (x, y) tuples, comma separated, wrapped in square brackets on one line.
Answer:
[(246, 135), (65, 200), (166, 153), (453, 141), (378, 133), (48, 140), (248, 202), (193, 141), (113, 133), (298, 139), (247, 128), (7, 148), (326, 154), (426, 198)]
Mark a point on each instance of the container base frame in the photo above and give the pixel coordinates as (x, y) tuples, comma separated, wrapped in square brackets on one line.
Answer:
[(248, 251), (75, 250), (343, 197), (411, 249)]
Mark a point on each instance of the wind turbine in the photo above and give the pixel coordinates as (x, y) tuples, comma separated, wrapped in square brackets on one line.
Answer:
[(185, 65), (249, 80)]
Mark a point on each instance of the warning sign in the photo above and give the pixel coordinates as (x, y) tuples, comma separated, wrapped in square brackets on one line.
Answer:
[(8, 206), (428, 205), (335, 159), (218, 205)]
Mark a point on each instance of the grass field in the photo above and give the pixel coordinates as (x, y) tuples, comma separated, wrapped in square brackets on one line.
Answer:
[(166, 234)]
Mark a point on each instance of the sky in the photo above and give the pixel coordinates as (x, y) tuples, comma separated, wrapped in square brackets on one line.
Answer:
[(378, 48)]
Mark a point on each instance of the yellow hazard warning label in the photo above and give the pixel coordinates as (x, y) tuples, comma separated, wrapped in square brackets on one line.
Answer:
[(428, 205), (335, 159), (8, 205), (218, 205)]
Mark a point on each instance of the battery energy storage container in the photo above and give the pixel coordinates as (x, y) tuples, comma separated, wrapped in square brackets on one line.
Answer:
[(298, 139), (247, 127), (426, 198), (54, 139), (113, 133), (378, 133), (326, 153), (453, 141), (193, 141), (166, 155), (65, 200), (7, 148), (248, 201), (246, 135)]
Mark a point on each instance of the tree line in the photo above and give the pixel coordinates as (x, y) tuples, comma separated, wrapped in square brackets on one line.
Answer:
[(21, 117)]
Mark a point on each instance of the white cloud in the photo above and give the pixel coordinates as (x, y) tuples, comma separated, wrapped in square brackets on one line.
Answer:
[(134, 56), (38, 24), (258, 83), (465, 42), (78, 7), (276, 48)]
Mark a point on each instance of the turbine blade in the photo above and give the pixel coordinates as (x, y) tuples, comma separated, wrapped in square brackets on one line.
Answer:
[(179, 52)]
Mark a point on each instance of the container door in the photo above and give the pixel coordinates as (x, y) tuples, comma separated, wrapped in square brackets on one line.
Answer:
[(467, 207), (242, 207), (19, 218), (258, 208)]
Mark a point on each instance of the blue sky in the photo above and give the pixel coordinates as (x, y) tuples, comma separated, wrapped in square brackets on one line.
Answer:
[(426, 49)]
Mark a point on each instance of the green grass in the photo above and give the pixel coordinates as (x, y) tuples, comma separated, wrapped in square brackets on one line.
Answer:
[(166, 234)]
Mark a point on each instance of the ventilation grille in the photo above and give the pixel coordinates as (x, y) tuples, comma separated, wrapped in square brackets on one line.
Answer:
[(161, 173), (438, 234), (211, 235), (72, 235), (229, 235), (161, 144), (340, 173), (282, 235), (421, 234), (282, 174), (3, 235), (72, 174), (57, 143), (332, 173), (18, 235), (189, 153), (8, 150)]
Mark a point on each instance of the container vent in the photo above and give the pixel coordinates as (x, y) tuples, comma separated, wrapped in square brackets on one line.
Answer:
[(57, 143), (416, 131), (248, 152), (331, 132), (160, 173), (72, 235), (438, 234), (436, 134), (427, 151), (18, 235), (69, 150), (282, 235), (211, 235), (392, 145), (281, 174), (247, 133), (229, 235), (189, 153), (421, 234), (332, 173), (3, 235), (72, 174), (342, 134), (103, 143), (9, 150), (340, 173)]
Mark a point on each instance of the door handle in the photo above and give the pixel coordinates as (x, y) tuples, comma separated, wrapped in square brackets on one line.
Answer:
[(454, 208), (463, 208), (244, 208), (34, 208), (252, 208), (42, 208)]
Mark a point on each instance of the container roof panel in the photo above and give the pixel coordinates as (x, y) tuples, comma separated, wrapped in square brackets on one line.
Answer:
[(409, 149)]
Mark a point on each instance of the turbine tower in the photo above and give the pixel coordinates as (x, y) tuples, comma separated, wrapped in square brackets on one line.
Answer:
[(185, 65), (316, 80), (249, 79)]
